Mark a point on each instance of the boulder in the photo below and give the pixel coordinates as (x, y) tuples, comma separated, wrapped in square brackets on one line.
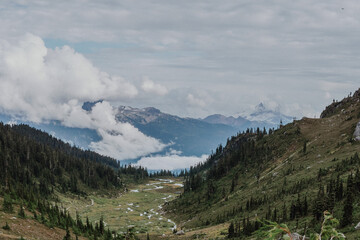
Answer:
[(357, 132), (357, 227), (181, 232), (296, 236)]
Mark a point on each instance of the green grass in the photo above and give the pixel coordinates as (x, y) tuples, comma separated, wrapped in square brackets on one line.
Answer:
[(328, 139), (142, 209)]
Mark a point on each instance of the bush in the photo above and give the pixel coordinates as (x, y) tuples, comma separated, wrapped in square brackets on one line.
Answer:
[(6, 227), (21, 212), (273, 231), (7, 204)]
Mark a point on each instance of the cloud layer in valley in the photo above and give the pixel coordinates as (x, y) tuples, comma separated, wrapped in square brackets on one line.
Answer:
[(170, 162)]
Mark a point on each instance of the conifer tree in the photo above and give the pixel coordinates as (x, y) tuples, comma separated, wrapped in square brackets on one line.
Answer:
[(21, 212), (304, 147), (348, 205), (67, 236), (7, 204), (6, 227), (231, 230), (101, 226), (284, 213)]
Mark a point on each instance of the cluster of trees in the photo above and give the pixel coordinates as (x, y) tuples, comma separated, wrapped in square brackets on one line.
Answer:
[(34, 164), (250, 152), (52, 215), (41, 165), (161, 173), (238, 229), (56, 144), (244, 150)]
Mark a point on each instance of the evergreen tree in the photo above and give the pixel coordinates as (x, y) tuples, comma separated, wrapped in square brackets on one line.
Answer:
[(231, 230), (319, 206), (339, 189), (21, 212), (101, 226), (6, 227), (232, 185), (7, 204), (284, 213), (67, 236), (348, 205), (108, 235)]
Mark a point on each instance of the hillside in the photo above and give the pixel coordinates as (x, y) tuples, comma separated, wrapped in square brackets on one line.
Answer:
[(38, 171), (290, 175)]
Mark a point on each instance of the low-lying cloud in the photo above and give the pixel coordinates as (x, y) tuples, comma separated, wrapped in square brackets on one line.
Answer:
[(170, 162), (38, 84), (150, 87)]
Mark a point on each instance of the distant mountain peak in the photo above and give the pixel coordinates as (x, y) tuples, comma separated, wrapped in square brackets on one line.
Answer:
[(260, 116), (152, 110), (139, 115), (260, 107)]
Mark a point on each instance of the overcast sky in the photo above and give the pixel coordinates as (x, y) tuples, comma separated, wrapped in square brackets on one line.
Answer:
[(189, 58), (194, 58)]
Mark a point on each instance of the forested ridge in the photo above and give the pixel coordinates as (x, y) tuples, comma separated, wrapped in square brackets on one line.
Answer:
[(57, 144), (288, 175), (35, 166)]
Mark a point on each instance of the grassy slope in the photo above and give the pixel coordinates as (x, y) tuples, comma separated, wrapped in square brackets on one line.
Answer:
[(129, 209), (28, 228), (115, 209), (328, 139)]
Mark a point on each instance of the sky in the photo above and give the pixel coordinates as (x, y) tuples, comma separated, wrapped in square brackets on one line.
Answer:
[(188, 58)]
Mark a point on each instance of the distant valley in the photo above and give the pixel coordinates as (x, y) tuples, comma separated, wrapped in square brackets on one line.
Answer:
[(183, 136)]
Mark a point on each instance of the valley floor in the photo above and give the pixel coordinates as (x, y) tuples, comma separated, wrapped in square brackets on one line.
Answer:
[(139, 208)]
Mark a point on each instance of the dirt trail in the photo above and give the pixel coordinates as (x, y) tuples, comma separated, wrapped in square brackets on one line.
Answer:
[(92, 203)]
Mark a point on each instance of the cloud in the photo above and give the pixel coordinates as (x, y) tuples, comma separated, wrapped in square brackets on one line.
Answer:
[(170, 162), (40, 84), (239, 50), (151, 87), (195, 101), (120, 140)]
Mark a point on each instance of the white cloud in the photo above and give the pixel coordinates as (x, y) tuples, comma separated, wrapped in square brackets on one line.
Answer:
[(42, 84), (170, 162), (120, 140), (241, 50), (195, 101), (151, 87), (39, 84)]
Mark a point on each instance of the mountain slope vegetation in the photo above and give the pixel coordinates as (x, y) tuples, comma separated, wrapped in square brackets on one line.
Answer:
[(36, 168), (291, 175)]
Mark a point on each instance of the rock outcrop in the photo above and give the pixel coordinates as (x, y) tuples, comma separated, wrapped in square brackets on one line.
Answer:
[(357, 132)]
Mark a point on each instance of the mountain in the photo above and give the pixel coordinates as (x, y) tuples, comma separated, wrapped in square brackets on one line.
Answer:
[(260, 117), (188, 135), (239, 122), (290, 175), (191, 137)]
